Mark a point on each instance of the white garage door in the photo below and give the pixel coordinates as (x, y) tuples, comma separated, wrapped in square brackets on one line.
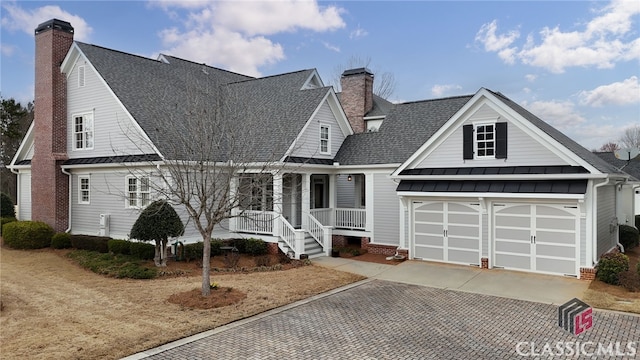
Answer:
[(447, 231), (536, 237)]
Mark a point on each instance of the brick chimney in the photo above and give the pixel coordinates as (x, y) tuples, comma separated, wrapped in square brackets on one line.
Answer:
[(357, 96), (49, 186)]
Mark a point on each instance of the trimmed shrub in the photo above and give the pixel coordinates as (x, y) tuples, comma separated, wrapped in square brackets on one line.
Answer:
[(628, 236), (117, 246), (135, 271), (255, 247), (216, 244), (27, 235), (6, 206), (610, 266), (240, 244), (637, 222), (6, 220), (638, 268), (142, 250), (91, 243), (193, 251), (629, 280), (61, 240)]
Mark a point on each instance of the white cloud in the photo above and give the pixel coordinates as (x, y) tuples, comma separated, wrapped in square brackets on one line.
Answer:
[(531, 77), (441, 90), (618, 93), (7, 50), (601, 43), (560, 114), (358, 33), (234, 34), (331, 47), (18, 19), (593, 136)]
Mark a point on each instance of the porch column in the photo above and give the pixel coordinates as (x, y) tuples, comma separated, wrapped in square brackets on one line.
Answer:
[(368, 203), (333, 194), (306, 199), (277, 202), (233, 193)]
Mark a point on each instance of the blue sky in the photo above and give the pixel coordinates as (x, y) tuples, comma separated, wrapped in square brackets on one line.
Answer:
[(575, 64)]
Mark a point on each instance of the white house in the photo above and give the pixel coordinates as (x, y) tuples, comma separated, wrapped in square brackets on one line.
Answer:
[(475, 180)]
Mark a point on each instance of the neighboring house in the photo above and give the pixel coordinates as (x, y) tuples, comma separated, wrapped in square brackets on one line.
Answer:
[(628, 206), (473, 180)]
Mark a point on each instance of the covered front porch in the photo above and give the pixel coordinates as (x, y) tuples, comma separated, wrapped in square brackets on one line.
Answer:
[(301, 211)]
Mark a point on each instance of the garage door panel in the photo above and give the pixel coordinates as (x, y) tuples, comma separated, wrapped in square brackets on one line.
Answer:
[(513, 234), (435, 206), (552, 211), (464, 219), (429, 217), (464, 243), (513, 261), (523, 248), (513, 221), (429, 240), (453, 207), (568, 252), (429, 253), (431, 229), (558, 266), (463, 256), (464, 231), (564, 238), (555, 224)]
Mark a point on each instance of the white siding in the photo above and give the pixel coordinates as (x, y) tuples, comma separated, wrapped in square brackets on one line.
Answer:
[(386, 211), (24, 197), (606, 214), (114, 132), (308, 144), (522, 149)]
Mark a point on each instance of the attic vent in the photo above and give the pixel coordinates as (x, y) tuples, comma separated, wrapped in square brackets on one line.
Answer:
[(81, 76), (204, 70)]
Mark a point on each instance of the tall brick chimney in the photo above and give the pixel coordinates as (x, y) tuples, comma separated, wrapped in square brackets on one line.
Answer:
[(49, 186), (357, 96)]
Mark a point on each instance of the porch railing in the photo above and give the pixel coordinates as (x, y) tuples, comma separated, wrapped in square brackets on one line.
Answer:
[(254, 221), (345, 218), (290, 235)]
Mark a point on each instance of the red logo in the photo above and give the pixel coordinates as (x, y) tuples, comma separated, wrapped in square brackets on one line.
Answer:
[(575, 316)]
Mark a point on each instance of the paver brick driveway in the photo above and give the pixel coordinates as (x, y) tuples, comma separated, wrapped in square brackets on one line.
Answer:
[(388, 320)]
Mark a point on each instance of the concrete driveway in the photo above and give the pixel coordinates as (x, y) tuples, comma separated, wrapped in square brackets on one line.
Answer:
[(547, 289)]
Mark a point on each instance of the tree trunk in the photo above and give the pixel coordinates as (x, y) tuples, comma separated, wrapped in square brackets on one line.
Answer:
[(156, 257), (163, 253), (206, 265)]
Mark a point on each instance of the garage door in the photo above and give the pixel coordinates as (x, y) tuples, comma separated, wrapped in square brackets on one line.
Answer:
[(447, 231), (536, 237)]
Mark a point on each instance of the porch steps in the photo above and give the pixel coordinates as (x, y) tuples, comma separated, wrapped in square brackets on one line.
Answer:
[(311, 246)]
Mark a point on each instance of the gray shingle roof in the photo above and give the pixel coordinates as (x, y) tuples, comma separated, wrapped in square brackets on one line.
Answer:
[(404, 130), (265, 114), (631, 167)]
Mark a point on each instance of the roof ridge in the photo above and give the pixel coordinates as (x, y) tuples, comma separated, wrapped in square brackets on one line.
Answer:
[(436, 99), (119, 51), (209, 66)]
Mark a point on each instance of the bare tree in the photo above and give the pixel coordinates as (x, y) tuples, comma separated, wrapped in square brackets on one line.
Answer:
[(218, 152), (609, 147), (384, 84), (631, 137), (14, 123)]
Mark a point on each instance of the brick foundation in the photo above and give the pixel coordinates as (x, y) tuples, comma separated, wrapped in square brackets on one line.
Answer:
[(484, 263), (272, 248), (587, 273), (388, 250), (338, 241)]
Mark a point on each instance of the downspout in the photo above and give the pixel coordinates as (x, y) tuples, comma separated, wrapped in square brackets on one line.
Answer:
[(64, 171), (618, 231), (17, 190), (594, 230)]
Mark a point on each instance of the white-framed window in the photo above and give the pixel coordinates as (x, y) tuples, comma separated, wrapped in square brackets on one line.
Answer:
[(81, 75), (485, 140), (138, 192), (83, 131), (325, 140), (84, 189)]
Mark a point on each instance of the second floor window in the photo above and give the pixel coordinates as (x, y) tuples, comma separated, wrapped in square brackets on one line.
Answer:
[(83, 131), (324, 139)]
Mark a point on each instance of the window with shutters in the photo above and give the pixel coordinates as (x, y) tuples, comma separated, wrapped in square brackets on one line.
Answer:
[(487, 140)]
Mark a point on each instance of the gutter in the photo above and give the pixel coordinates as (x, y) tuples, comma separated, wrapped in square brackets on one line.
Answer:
[(64, 171)]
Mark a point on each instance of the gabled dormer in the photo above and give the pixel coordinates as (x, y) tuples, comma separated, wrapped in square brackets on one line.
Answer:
[(313, 81)]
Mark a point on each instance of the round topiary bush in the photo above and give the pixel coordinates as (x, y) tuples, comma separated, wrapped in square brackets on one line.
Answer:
[(142, 250), (27, 235), (61, 240), (6, 220), (610, 265), (193, 251), (6, 206), (628, 236)]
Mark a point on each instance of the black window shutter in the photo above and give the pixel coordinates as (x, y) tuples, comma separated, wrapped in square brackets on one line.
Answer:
[(501, 140), (467, 142)]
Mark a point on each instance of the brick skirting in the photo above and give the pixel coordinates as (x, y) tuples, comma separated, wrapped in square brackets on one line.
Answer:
[(587, 273), (484, 263)]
